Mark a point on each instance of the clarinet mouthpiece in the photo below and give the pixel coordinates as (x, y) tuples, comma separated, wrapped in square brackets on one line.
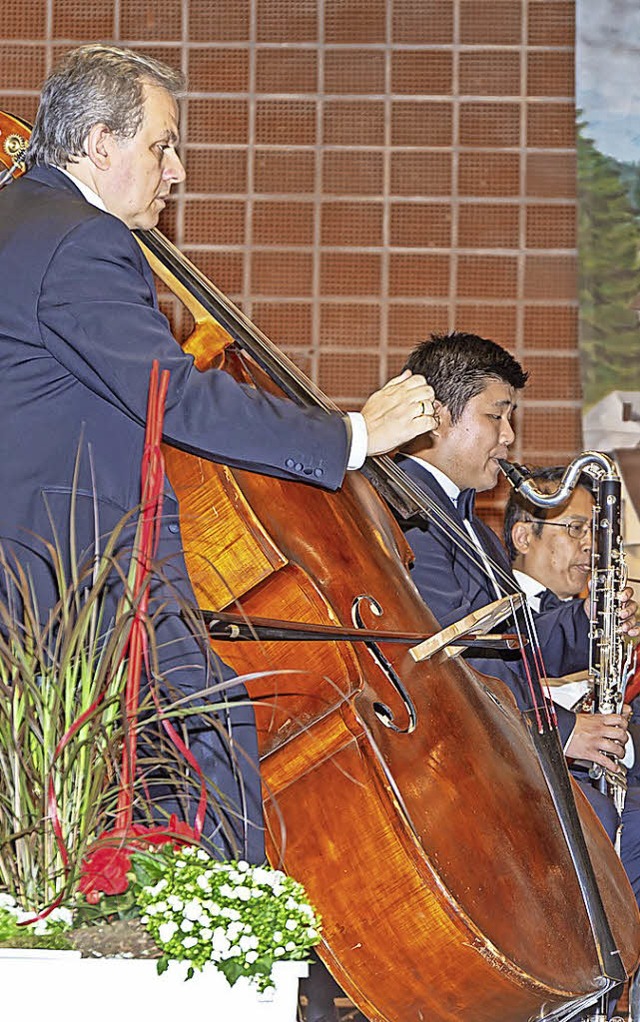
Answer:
[(516, 474)]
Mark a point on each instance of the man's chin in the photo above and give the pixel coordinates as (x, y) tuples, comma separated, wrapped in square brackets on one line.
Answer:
[(146, 222), (489, 477)]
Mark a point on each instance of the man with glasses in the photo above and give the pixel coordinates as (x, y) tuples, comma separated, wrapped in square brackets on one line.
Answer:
[(550, 551), (551, 557)]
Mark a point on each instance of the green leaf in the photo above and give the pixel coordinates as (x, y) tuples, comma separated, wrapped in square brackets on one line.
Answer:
[(148, 869), (232, 970)]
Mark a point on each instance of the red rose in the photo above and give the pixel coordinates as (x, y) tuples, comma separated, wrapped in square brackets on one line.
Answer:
[(105, 869)]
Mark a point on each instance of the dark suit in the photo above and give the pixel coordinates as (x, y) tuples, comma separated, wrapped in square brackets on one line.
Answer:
[(79, 328), (453, 584)]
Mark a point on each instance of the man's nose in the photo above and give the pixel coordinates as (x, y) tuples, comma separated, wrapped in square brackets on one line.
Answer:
[(507, 436), (173, 171)]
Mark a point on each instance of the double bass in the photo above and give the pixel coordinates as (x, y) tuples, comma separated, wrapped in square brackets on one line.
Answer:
[(433, 824)]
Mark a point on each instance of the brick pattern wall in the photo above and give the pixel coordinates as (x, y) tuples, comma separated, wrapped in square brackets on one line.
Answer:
[(362, 172)]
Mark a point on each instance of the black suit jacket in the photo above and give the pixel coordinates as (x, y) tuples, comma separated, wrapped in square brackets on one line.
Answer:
[(79, 329)]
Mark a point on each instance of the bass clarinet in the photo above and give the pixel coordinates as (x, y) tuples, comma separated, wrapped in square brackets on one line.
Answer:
[(611, 654)]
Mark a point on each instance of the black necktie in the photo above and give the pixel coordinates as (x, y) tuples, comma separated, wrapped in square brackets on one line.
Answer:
[(465, 503), (549, 601)]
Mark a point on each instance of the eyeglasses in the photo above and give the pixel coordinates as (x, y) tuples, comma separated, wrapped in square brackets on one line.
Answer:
[(576, 530)]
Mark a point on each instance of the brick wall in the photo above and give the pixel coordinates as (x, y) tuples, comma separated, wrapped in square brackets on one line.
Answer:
[(361, 172)]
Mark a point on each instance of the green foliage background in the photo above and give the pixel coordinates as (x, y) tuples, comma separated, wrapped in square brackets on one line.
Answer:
[(609, 277)]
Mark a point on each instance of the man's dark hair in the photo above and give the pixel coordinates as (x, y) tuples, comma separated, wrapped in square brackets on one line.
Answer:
[(94, 84), (458, 366), (520, 510)]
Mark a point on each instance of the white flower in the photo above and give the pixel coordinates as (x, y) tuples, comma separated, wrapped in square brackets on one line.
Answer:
[(175, 902), (248, 943), (278, 952), (290, 946), (242, 893), (251, 957), (203, 883), (226, 890), (193, 909), (261, 875), (6, 901), (206, 933), (61, 915), (219, 940), (243, 866), (166, 931), (291, 924), (202, 855), (189, 942), (186, 926), (160, 886), (229, 913)]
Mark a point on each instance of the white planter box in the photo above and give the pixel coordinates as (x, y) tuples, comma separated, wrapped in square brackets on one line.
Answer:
[(60, 986)]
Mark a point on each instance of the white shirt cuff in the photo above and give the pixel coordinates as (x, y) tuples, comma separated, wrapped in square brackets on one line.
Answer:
[(359, 441)]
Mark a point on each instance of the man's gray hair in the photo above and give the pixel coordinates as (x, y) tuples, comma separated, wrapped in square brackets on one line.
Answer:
[(94, 84)]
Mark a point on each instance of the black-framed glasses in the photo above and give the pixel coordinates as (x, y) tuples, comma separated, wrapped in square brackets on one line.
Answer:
[(575, 530)]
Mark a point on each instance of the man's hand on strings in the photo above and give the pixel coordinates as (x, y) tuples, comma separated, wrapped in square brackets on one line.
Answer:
[(596, 735), (398, 412)]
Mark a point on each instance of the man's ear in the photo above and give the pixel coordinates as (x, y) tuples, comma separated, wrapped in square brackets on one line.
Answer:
[(443, 418), (98, 146), (521, 536)]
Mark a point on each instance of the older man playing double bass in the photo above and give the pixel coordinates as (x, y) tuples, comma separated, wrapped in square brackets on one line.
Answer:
[(79, 329)]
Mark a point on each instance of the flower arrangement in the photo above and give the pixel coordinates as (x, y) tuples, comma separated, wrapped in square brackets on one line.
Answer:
[(241, 918), (71, 707), (197, 910)]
